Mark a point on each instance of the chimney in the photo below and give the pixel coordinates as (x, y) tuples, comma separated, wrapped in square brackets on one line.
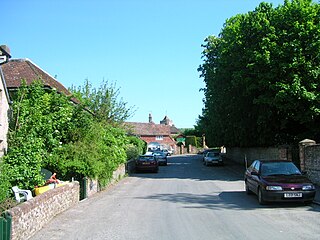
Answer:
[(150, 118)]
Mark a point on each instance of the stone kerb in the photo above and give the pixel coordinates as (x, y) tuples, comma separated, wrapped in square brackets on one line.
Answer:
[(31, 216)]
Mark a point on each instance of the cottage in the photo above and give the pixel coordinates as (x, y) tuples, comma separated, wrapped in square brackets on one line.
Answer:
[(155, 135)]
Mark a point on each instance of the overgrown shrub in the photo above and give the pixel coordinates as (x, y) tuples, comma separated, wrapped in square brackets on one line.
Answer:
[(135, 147), (48, 131), (5, 185)]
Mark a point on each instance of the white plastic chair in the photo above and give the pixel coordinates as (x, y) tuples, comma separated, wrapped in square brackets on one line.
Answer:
[(21, 195)]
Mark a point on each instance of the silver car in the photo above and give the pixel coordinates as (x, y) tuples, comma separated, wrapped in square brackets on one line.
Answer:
[(212, 158)]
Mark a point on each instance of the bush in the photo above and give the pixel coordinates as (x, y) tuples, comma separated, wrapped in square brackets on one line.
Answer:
[(191, 140), (5, 185), (135, 147), (49, 131)]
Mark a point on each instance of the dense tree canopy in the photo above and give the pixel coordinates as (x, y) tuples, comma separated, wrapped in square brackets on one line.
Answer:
[(262, 77)]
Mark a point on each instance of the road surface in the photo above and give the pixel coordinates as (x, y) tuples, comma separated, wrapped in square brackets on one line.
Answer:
[(185, 200)]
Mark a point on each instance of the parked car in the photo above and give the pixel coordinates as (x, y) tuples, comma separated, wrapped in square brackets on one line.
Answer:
[(212, 158), (167, 152), (161, 157), (277, 180), (147, 163), (205, 151)]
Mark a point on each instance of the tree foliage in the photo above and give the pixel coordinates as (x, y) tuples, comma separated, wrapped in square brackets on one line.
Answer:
[(135, 147), (262, 77), (104, 102), (47, 130)]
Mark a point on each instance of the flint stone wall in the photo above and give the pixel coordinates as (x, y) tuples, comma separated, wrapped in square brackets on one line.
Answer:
[(312, 162), (29, 217), (93, 185)]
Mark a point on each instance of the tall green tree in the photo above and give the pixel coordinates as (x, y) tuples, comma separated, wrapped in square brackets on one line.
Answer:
[(103, 101), (262, 77)]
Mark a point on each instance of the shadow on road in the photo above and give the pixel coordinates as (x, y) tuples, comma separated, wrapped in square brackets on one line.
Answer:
[(237, 200), (191, 167)]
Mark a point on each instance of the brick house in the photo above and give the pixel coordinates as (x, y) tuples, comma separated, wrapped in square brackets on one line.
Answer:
[(153, 133), (17, 70)]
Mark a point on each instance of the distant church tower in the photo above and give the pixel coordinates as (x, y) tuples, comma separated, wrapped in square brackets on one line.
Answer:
[(166, 121)]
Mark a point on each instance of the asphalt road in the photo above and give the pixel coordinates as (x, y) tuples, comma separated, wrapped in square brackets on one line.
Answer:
[(185, 200)]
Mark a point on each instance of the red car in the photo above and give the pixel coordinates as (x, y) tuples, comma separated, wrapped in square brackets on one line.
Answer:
[(277, 180), (147, 163)]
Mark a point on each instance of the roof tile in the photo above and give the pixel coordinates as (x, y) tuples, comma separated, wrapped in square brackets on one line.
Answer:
[(18, 69), (149, 129)]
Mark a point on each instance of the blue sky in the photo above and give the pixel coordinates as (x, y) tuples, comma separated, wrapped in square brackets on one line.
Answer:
[(151, 49)]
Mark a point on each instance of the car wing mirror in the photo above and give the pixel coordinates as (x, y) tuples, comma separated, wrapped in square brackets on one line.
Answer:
[(254, 173)]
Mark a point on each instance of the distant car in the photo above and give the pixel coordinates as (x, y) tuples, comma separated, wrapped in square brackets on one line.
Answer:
[(147, 163), (165, 151), (205, 151), (161, 157), (212, 158), (277, 180)]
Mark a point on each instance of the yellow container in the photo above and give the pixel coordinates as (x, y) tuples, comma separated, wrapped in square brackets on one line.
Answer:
[(40, 190)]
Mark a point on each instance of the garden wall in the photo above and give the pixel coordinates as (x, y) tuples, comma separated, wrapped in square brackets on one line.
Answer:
[(310, 159), (93, 185), (239, 155), (29, 217)]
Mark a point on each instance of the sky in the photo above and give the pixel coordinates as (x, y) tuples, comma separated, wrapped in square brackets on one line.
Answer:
[(151, 49)]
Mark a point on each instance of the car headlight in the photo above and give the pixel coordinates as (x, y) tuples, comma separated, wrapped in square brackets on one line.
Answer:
[(308, 187), (274, 188)]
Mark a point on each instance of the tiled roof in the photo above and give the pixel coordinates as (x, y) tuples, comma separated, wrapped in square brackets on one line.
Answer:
[(148, 129), (174, 130), (17, 69)]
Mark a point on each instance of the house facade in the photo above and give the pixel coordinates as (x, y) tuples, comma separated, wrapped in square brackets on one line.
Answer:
[(4, 112), (153, 134), (4, 101)]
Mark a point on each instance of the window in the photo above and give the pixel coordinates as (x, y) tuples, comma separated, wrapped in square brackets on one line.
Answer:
[(257, 167), (159, 137)]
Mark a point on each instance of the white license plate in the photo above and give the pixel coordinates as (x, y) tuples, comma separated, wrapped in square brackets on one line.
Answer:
[(293, 195)]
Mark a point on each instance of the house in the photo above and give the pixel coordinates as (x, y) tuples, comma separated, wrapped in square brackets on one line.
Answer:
[(155, 135), (4, 102), (17, 70)]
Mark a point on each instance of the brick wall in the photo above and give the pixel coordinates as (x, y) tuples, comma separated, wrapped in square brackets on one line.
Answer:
[(31, 216)]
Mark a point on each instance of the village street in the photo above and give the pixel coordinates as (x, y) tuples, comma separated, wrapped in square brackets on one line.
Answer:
[(185, 200)]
